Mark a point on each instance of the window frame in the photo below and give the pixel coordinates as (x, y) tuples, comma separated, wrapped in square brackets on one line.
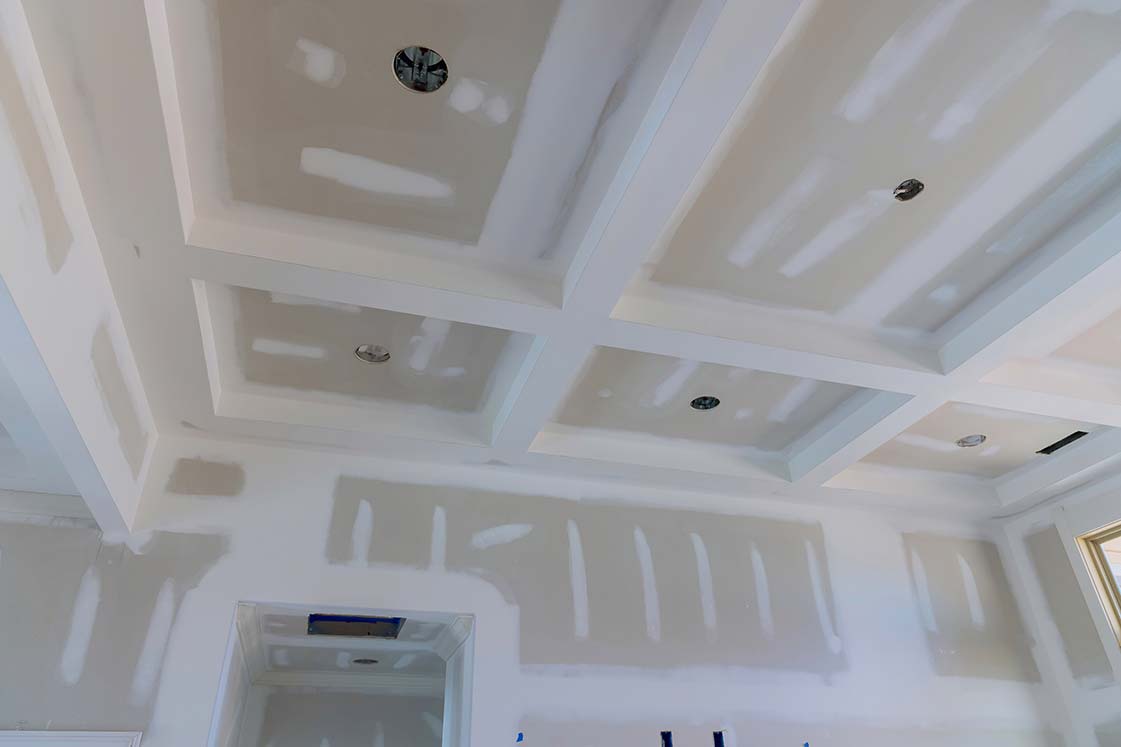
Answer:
[(1105, 583)]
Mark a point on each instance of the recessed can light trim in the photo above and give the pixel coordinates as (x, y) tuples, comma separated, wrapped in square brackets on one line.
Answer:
[(973, 439), (908, 189), (372, 353), (420, 69), (704, 402)]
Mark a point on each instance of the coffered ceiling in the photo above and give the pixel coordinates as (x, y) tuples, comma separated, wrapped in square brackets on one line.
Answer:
[(608, 211)]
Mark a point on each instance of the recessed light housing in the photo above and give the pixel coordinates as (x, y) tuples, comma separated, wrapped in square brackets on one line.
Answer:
[(371, 353), (974, 439), (364, 661), (705, 402), (420, 69), (908, 189)]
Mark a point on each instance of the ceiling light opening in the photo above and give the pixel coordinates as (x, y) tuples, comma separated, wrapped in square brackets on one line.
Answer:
[(364, 661), (908, 189), (705, 402), (974, 439), (372, 353), (420, 69)]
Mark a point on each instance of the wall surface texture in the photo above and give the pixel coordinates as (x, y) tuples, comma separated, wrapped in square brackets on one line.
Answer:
[(600, 617)]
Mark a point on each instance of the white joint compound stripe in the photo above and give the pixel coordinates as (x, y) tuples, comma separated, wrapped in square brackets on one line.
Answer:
[(434, 723), (362, 534), (155, 641), (792, 400), (404, 661), (674, 383), (922, 589), (439, 539), (579, 576), (897, 58), (704, 582), (649, 586), (81, 627), (280, 347), (972, 594), (762, 592), (433, 335), (823, 617), (503, 534), (370, 175)]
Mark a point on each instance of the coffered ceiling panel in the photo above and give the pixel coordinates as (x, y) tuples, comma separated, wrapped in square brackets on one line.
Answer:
[(993, 106), (323, 357), (288, 117), (1011, 440)]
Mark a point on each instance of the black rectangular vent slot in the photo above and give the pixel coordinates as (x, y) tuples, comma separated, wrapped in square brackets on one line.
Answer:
[(667, 739), (1061, 443), (717, 739), (354, 626)]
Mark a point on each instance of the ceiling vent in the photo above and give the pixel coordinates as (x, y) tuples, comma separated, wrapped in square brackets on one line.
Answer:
[(1065, 441), (354, 626)]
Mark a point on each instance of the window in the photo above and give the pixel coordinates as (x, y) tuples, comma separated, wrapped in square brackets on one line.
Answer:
[(1103, 549)]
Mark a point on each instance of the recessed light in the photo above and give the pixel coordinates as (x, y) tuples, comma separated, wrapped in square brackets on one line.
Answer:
[(420, 69), (908, 189), (706, 402), (371, 353), (974, 439), (363, 661)]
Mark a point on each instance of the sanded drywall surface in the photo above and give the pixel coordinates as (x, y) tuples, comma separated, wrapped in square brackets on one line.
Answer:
[(85, 623), (1085, 653), (294, 719)]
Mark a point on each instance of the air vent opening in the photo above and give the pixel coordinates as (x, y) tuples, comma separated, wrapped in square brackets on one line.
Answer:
[(354, 626), (1065, 441)]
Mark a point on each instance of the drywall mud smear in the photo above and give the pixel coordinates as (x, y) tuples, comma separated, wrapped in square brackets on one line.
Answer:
[(592, 581), (85, 624), (1081, 643), (118, 400), (973, 627), (42, 206)]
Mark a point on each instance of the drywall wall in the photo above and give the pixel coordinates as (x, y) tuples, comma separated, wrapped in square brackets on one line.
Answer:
[(596, 607), (296, 717), (85, 623)]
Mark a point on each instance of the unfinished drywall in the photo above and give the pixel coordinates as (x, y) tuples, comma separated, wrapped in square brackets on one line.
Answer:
[(1012, 440), (308, 345), (969, 97), (1108, 734), (203, 477), (973, 626), (646, 393), (1085, 654), (85, 623), (299, 717)]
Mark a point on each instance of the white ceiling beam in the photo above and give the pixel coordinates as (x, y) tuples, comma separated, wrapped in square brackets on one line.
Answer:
[(739, 44), (363, 290)]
